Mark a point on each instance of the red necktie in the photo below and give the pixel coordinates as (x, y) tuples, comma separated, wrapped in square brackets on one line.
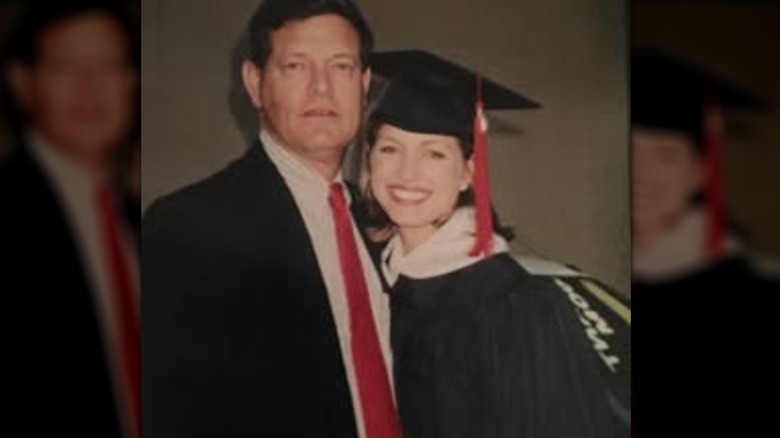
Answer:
[(376, 400), (126, 316)]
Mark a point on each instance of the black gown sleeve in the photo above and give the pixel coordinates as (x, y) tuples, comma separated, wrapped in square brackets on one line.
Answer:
[(490, 351), (544, 375)]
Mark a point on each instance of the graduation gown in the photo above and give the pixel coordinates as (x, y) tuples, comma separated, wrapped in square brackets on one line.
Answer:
[(487, 350), (711, 322), (605, 317), (701, 361)]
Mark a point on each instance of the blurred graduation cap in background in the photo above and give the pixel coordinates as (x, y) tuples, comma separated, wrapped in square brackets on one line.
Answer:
[(424, 93), (670, 94)]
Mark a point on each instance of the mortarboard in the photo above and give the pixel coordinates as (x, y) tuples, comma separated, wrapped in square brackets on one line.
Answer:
[(425, 93), (667, 93), (671, 94)]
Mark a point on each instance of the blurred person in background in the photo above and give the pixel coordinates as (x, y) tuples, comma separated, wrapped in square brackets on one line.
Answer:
[(683, 236), (692, 277), (69, 262)]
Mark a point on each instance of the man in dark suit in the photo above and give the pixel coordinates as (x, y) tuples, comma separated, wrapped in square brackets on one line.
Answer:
[(259, 298), (68, 262)]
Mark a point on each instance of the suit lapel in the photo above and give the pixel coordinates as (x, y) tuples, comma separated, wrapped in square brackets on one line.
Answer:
[(311, 331)]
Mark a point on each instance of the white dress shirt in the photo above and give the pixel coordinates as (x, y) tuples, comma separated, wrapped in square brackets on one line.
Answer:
[(310, 191)]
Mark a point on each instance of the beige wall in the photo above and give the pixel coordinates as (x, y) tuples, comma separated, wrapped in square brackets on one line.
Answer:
[(737, 41), (559, 174)]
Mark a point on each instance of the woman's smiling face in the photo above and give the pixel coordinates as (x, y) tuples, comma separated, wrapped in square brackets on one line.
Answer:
[(417, 178)]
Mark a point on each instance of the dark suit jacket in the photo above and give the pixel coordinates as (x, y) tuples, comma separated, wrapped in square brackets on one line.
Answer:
[(58, 381), (238, 335)]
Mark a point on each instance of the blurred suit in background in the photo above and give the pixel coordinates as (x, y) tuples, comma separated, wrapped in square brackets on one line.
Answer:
[(70, 267)]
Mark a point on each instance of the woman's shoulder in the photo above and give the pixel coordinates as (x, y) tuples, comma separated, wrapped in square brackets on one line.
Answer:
[(548, 284), (528, 271), (494, 279), (503, 276), (568, 278), (538, 266)]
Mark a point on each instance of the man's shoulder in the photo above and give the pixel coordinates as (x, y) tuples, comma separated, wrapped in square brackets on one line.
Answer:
[(246, 194), (219, 195), (218, 189), (192, 198)]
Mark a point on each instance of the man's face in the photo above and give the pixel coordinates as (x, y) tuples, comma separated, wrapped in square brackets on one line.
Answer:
[(79, 91), (311, 90), (666, 174)]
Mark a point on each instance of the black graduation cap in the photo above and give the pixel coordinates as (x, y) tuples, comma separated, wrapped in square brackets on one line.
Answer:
[(426, 93), (669, 93)]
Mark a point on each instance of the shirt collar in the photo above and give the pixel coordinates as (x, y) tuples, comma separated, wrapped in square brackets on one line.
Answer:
[(301, 178), (67, 176), (678, 251)]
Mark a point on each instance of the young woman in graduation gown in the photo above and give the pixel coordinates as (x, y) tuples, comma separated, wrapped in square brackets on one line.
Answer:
[(481, 348)]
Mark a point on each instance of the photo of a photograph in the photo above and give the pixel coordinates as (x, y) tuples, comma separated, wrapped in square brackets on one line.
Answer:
[(386, 219)]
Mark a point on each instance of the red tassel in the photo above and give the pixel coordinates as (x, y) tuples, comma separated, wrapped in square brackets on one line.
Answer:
[(484, 240), (713, 162)]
